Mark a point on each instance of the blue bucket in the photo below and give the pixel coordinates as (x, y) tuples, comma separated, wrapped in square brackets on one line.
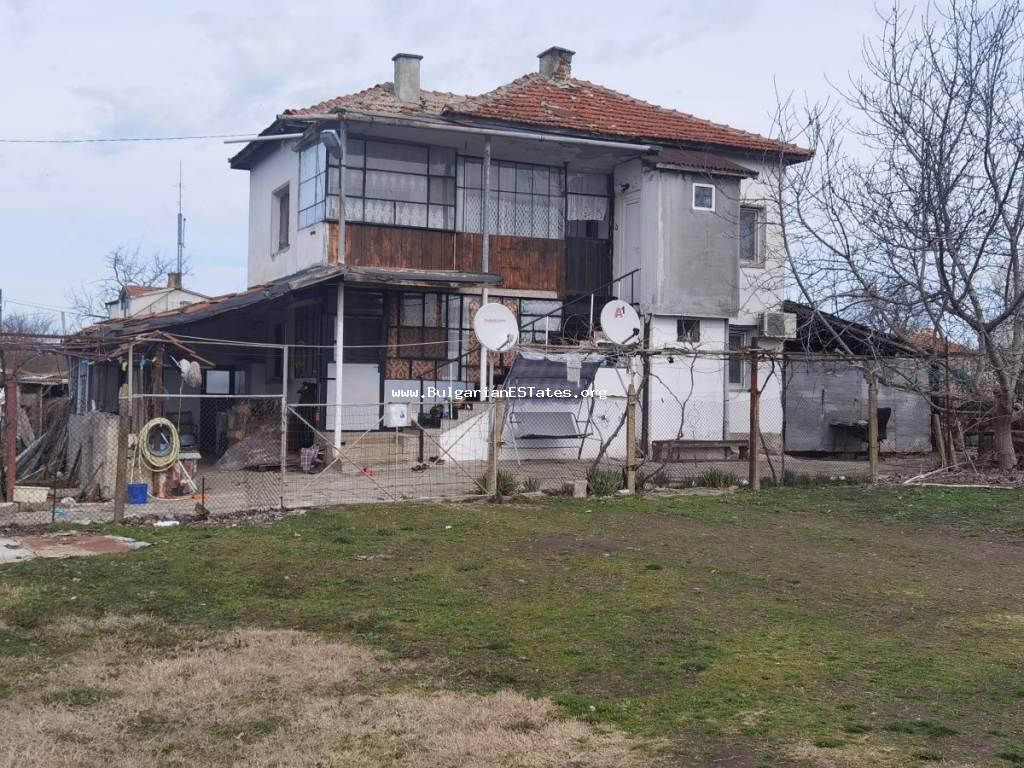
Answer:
[(137, 493)]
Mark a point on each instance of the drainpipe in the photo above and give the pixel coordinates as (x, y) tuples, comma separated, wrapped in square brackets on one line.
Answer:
[(485, 261), (726, 392)]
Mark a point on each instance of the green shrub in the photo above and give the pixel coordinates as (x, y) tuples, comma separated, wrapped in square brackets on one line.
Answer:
[(532, 485), (507, 483), (604, 482), (717, 478), (657, 479)]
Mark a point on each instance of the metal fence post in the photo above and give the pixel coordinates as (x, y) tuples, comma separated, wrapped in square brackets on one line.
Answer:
[(755, 426), (631, 438), (873, 424), (494, 447), (10, 433), (284, 420)]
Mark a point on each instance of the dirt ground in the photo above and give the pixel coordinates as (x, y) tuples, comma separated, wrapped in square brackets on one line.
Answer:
[(276, 698)]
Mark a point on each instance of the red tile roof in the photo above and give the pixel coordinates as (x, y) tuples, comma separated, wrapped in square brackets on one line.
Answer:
[(134, 291), (926, 339), (564, 104), (381, 99), (579, 105)]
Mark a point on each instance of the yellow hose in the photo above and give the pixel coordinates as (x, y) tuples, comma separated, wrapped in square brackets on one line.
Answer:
[(163, 461)]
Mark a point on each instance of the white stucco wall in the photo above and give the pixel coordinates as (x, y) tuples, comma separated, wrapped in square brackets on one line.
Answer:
[(763, 286), (160, 301), (306, 247)]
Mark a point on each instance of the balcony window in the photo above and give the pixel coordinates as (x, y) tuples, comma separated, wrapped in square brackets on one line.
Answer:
[(406, 185), (526, 200), (312, 178)]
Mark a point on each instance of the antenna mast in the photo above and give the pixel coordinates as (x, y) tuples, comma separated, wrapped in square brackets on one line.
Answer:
[(181, 225)]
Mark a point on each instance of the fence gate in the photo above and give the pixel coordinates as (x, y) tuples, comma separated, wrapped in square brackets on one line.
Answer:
[(380, 463)]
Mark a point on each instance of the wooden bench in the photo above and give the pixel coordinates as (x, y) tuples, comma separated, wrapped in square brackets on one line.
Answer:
[(683, 450)]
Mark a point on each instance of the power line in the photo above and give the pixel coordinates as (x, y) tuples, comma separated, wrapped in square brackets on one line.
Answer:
[(49, 307), (124, 139)]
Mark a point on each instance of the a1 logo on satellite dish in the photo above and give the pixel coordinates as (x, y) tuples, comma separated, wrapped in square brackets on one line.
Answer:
[(496, 327), (620, 323)]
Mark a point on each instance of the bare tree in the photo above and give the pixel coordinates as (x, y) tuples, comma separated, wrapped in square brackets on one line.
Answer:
[(123, 267), (910, 215)]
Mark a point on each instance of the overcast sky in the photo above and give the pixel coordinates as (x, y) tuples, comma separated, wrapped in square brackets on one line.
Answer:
[(109, 69)]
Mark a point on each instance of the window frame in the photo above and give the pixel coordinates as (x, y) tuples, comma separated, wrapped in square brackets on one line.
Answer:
[(415, 338), (236, 377), (559, 196), (319, 181), (759, 214), (281, 224), (687, 338), (354, 199), (747, 335), (714, 196)]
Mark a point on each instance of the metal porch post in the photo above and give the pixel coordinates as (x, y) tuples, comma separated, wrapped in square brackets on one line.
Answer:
[(485, 260), (284, 421), (339, 353)]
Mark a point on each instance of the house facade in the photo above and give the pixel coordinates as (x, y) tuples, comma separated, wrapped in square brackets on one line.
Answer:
[(370, 248), (592, 195)]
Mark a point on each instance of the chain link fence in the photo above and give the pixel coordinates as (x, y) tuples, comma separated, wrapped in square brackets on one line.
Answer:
[(221, 447)]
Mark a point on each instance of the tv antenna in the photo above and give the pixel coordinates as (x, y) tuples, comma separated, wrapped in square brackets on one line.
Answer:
[(181, 226)]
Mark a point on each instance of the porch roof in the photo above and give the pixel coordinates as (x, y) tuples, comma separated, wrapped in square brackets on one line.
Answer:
[(107, 331)]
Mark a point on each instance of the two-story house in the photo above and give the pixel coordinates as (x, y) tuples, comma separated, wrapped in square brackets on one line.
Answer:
[(378, 221), (590, 192)]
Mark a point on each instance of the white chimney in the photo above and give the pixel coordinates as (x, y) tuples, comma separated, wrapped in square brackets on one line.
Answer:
[(556, 63), (407, 77)]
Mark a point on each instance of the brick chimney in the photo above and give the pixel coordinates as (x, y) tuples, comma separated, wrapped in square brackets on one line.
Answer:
[(556, 63), (407, 77), (174, 280)]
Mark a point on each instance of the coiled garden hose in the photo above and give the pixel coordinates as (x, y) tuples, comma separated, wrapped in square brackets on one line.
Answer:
[(166, 457)]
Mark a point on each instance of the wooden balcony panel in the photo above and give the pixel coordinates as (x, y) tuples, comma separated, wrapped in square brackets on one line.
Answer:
[(524, 263)]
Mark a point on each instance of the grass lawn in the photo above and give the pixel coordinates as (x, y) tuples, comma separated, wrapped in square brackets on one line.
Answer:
[(833, 626)]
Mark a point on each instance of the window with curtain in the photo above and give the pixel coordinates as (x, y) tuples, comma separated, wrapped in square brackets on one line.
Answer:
[(406, 185), (587, 205), (526, 200)]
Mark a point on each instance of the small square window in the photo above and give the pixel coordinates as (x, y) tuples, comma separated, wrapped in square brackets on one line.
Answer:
[(688, 329), (704, 197)]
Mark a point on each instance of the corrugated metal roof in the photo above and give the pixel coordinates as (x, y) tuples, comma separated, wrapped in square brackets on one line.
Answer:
[(701, 162), (230, 302)]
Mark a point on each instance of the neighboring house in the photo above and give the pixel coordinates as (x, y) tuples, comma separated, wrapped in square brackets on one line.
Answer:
[(827, 389), (366, 224), (137, 300)]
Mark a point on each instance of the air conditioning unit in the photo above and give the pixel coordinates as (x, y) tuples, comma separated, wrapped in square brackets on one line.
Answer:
[(777, 325)]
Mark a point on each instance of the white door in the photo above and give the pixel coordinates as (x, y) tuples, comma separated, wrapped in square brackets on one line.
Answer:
[(360, 393), (629, 288)]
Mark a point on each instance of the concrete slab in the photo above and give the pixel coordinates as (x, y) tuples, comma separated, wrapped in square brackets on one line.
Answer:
[(62, 545)]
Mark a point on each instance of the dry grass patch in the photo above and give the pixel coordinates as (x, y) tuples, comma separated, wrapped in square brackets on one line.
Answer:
[(275, 698)]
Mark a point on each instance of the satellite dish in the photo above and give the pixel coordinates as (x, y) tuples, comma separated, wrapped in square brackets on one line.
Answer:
[(620, 323), (496, 327)]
